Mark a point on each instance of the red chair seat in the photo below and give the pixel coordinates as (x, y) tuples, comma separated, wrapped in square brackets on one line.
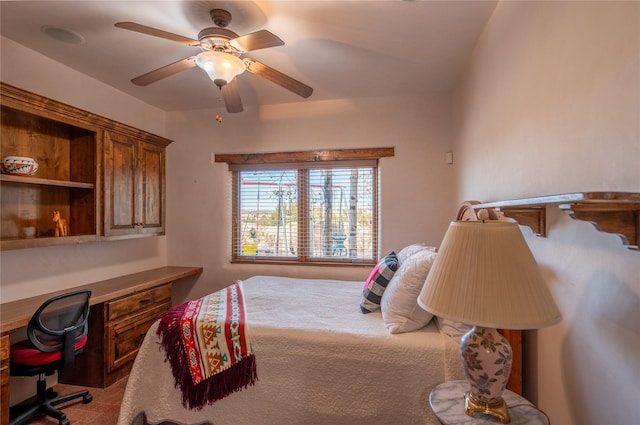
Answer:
[(25, 354)]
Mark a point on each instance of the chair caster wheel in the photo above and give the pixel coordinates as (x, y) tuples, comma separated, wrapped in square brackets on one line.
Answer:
[(51, 393), (64, 421), (87, 399)]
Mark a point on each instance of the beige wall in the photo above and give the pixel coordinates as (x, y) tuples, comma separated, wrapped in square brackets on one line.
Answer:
[(415, 183), (550, 103)]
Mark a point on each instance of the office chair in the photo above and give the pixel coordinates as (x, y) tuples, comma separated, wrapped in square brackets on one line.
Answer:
[(57, 333)]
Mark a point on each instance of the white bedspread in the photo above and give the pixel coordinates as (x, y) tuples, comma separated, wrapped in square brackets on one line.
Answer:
[(320, 362)]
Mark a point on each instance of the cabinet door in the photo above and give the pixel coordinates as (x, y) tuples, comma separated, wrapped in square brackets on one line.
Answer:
[(152, 176), (120, 185), (134, 186)]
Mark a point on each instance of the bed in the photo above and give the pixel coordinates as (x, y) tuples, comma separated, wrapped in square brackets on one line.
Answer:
[(320, 361)]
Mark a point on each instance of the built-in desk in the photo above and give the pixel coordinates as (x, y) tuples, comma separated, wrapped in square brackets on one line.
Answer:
[(122, 309)]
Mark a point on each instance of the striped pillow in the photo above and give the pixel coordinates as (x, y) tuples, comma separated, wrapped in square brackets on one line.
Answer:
[(377, 282)]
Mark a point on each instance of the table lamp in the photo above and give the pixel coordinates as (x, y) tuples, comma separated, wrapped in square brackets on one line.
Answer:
[(485, 275)]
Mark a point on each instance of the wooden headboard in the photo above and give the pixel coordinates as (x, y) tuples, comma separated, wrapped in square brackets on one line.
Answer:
[(467, 213)]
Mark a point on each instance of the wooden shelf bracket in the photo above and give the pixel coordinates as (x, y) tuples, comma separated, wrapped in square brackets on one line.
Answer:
[(621, 219), (610, 212)]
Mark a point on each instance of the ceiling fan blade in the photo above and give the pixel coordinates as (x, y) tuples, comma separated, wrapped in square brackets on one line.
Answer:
[(132, 26), (278, 77), (231, 95), (165, 71), (256, 40)]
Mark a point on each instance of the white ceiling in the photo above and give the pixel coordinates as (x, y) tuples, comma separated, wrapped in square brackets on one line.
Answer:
[(343, 49)]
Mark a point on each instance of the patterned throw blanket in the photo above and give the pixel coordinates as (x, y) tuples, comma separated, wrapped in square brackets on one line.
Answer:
[(207, 345)]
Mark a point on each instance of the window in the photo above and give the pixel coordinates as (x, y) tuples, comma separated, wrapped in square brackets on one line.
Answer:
[(317, 211)]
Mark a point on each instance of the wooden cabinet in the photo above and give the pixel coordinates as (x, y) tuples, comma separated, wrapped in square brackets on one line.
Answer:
[(107, 179), (4, 380), (128, 321), (116, 331), (134, 186)]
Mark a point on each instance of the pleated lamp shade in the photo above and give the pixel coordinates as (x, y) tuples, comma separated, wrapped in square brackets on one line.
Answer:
[(485, 275)]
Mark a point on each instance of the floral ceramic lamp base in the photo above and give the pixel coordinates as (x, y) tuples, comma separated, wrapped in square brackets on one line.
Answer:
[(487, 358)]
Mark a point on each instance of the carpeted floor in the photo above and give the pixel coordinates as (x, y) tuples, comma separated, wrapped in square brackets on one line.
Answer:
[(103, 410)]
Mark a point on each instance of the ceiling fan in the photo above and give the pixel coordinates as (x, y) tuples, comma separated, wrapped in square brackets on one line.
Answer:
[(221, 58)]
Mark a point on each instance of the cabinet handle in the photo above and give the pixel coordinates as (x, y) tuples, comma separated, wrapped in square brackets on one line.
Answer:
[(145, 300)]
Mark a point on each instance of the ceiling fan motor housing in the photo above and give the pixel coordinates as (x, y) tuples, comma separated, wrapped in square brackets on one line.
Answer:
[(217, 39)]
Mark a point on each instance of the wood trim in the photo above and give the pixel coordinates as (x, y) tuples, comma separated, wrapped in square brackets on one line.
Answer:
[(17, 98), (350, 163), (305, 156)]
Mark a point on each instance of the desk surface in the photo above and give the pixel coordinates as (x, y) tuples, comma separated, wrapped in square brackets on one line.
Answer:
[(16, 314)]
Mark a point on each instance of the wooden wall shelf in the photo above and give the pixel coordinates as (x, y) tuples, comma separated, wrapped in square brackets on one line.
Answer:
[(45, 182), (610, 212)]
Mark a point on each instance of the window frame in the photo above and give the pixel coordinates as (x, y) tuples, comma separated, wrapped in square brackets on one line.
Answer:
[(304, 160)]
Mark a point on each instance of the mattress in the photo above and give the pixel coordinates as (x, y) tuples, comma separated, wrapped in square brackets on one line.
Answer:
[(319, 361)]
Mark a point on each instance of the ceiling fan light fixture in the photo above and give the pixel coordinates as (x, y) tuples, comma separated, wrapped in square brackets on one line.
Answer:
[(220, 67)]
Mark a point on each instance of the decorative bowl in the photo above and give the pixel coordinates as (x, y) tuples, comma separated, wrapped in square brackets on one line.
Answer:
[(19, 165)]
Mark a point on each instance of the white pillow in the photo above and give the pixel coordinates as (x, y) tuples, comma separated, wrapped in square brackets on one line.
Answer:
[(454, 329), (409, 250), (400, 309)]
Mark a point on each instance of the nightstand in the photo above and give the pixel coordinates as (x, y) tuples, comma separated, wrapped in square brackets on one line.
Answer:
[(447, 403)]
